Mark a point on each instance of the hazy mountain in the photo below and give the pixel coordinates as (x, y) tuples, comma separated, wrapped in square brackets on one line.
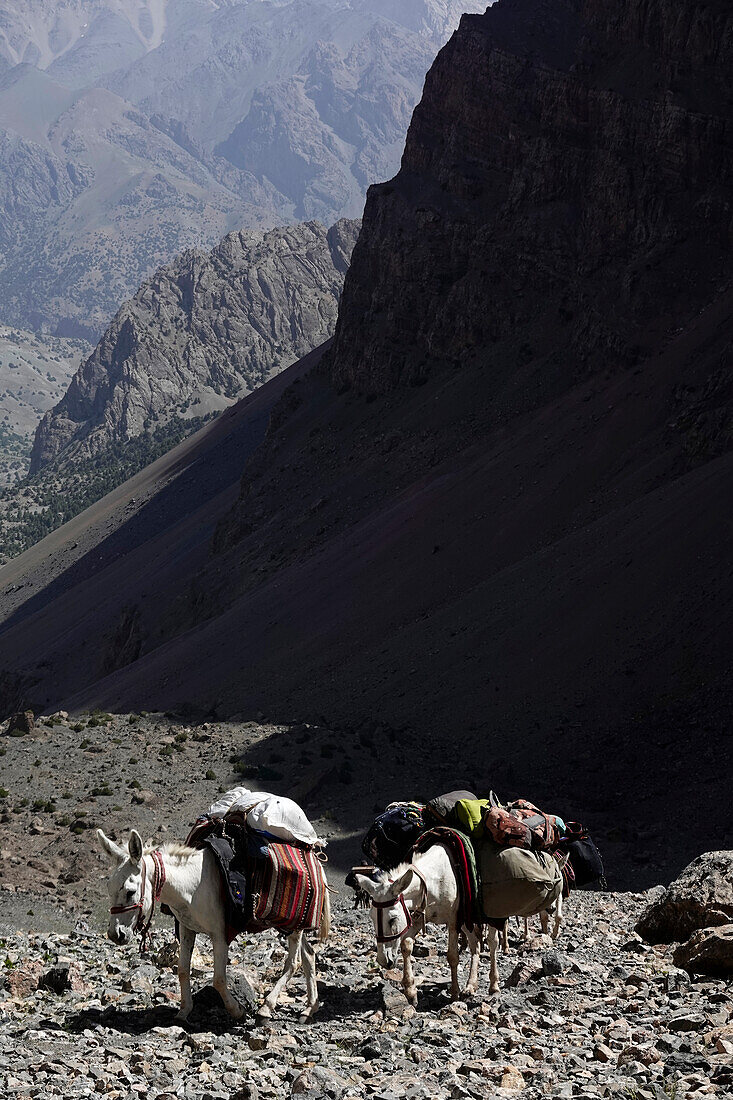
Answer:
[(199, 334), (130, 131), (35, 371), (202, 333)]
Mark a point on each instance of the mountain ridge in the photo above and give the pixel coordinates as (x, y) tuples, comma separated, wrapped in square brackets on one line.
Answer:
[(493, 515)]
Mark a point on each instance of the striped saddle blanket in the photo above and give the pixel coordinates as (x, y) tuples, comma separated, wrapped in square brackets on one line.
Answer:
[(288, 889)]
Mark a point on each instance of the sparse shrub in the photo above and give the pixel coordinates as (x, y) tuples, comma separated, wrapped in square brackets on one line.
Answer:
[(85, 743), (78, 727), (134, 784), (266, 772), (105, 790), (250, 770), (133, 760), (167, 750), (15, 732), (210, 774), (182, 736), (4, 792), (133, 719)]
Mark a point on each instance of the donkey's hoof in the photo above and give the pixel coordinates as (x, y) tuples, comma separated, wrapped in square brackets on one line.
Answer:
[(308, 1013)]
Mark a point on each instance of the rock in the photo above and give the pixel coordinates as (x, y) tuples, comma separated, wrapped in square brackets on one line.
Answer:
[(602, 1053), (22, 980), (554, 963), (676, 979), (512, 1079), (689, 1021), (57, 979), (22, 722), (708, 951), (522, 973), (701, 897)]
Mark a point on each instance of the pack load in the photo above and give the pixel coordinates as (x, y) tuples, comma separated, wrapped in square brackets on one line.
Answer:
[(275, 817), (268, 856), (442, 810), (392, 836), (519, 824), (516, 881), (583, 856)]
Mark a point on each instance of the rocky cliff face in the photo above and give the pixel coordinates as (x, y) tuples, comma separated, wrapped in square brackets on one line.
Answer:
[(203, 332), (110, 111), (565, 195)]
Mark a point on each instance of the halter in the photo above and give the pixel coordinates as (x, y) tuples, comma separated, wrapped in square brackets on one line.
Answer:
[(380, 906), (142, 926)]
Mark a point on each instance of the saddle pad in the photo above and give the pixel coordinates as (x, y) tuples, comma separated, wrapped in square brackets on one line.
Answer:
[(463, 860), (290, 889)]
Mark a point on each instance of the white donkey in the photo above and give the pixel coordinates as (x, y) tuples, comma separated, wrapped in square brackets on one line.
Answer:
[(188, 881), (423, 892)]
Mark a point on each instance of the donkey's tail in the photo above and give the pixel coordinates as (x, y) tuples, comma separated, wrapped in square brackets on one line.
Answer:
[(325, 927)]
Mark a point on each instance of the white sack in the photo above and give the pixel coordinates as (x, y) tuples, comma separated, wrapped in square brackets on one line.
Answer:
[(267, 813)]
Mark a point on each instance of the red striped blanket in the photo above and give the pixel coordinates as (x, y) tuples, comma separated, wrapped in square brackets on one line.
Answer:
[(289, 890)]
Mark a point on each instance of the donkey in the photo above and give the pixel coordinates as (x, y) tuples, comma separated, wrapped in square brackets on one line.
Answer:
[(188, 881), (406, 899)]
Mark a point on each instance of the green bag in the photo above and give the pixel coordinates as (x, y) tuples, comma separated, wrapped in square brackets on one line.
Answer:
[(469, 814), (514, 881)]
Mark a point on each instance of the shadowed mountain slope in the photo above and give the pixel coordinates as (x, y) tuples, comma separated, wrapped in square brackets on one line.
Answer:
[(507, 537)]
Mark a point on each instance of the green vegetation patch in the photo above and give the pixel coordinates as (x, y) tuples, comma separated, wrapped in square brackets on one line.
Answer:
[(37, 505)]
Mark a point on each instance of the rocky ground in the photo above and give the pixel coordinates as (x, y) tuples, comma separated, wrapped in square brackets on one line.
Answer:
[(601, 1014)]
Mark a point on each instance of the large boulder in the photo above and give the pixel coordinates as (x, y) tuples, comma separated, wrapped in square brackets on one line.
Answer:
[(708, 951), (702, 897), (22, 722)]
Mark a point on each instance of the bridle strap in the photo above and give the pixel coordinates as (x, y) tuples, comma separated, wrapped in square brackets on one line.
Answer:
[(419, 910), (142, 926)]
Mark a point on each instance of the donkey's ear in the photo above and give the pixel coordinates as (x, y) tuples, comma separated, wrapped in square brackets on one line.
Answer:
[(135, 846), (119, 855), (400, 885), (364, 884)]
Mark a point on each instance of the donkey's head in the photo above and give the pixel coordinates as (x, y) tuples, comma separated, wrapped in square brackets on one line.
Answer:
[(390, 910), (129, 900)]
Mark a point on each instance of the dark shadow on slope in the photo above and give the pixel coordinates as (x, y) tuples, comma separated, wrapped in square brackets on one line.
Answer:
[(208, 464)]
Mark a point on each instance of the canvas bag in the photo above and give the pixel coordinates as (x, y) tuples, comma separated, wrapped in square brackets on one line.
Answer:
[(514, 881)]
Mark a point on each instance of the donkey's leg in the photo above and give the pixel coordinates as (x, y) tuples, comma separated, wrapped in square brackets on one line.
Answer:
[(292, 963), (185, 950), (408, 977), (505, 937), (453, 961), (221, 958), (474, 945), (494, 967), (311, 983), (526, 928), (558, 918), (544, 921)]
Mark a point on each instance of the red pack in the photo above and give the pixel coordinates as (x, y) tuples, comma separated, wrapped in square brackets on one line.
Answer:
[(523, 825)]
